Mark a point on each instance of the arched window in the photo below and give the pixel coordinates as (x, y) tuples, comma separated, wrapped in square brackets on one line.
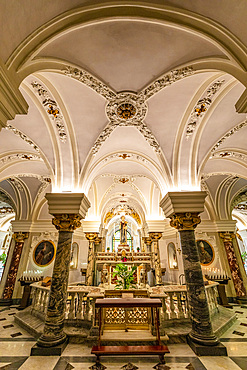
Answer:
[(116, 239)]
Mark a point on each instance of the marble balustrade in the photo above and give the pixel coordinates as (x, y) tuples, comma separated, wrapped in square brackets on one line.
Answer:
[(81, 301)]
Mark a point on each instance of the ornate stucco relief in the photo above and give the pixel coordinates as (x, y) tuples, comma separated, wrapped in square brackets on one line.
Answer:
[(127, 108), (52, 109), (18, 156), (229, 134), (201, 107), (23, 137), (229, 154)]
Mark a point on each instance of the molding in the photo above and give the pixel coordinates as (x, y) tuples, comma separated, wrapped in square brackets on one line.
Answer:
[(21, 225), (241, 105), (183, 202), (72, 203), (12, 101)]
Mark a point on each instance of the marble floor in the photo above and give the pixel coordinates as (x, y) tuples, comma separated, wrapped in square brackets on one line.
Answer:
[(16, 343)]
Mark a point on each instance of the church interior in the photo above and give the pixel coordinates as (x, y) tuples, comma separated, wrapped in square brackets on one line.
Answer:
[(123, 184)]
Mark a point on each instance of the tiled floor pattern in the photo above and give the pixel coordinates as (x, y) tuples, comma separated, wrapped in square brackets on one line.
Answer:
[(16, 343)]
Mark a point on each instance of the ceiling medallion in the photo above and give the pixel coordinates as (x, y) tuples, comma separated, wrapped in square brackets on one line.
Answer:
[(126, 111)]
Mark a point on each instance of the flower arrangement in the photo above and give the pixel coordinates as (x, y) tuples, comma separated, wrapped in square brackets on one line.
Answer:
[(126, 276)]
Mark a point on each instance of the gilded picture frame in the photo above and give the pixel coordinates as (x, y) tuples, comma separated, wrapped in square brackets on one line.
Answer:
[(44, 253), (206, 252)]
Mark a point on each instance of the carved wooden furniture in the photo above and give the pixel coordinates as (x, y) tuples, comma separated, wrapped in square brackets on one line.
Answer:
[(126, 303)]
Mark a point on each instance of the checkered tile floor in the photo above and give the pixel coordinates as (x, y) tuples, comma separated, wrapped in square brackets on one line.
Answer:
[(16, 343)]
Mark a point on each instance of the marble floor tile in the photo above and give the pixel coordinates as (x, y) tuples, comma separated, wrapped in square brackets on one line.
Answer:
[(236, 349), (16, 348), (180, 349), (241, 362), (219, 363), (40, 363), (77, 350)]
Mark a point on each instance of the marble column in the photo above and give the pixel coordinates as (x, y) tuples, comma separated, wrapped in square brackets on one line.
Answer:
[(237, 278), (19, 238), (76, 205), (92, 238), (156, 256), (173, 205)]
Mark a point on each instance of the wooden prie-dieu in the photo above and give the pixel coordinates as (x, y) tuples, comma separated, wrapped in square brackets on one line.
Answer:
[(125, 303)]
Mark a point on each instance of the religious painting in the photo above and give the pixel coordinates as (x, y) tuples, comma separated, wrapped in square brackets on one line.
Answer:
[(206, 252), (44, 253), (74, 255), (172, 256)]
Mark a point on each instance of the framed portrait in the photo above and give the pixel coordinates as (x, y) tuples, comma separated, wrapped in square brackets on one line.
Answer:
[(172, 256), (206, 252), (44, 253), (74, 255)]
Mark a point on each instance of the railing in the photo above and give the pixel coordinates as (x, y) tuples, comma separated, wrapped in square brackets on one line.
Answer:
[(80, 305)]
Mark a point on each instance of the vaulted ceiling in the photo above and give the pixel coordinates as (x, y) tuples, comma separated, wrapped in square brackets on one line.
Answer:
[(126, 101)]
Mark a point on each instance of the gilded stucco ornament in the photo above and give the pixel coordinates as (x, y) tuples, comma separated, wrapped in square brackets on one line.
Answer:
[(185, 221), (92, 236), (52, 109), (23, 137), (201, 107), (66, 222), (20, 236), (155, 236)]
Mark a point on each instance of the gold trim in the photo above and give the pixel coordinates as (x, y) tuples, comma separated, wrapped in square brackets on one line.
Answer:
[(47, 264), (206, 264)]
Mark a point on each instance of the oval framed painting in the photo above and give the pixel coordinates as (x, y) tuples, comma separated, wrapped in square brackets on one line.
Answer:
[(44, 253), (206, 252)]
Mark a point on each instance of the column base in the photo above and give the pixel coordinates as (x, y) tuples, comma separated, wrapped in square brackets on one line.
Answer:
[(47, 341), (242, 300), (207, 350), (203, 339), (36, 350), (6, 302)]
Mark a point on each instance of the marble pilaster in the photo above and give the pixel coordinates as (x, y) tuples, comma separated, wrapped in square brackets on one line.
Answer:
[(92, 238), (155, 236), (19, 238), (237, 277), (174, 205), (65, 223)]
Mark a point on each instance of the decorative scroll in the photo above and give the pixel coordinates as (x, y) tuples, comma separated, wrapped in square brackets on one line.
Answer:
[(201, 107), (52, 109), (16, 157), (229, 134), (66, 222), (22, 136), (233, 263), (185, 221)]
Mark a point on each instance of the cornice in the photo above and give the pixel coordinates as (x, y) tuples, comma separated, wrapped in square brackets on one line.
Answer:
[(12, 101)]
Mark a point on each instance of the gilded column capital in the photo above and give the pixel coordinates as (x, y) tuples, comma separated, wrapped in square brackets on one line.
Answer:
[(92, 236), (227, 236), (98, 240), (147, 240), (185, 221), (66, 222), (20, 236), (155, 236)]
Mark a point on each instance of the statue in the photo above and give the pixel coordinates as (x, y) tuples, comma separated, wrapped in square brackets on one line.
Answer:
[(123, 231)]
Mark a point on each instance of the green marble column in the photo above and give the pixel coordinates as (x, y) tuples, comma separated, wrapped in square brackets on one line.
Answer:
[(53, 333)]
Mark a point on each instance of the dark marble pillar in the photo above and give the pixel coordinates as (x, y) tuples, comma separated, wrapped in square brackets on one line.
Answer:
[(19, 238), (237, 278), (156, 256), (92, 238), (201, 332), (53, 333)]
